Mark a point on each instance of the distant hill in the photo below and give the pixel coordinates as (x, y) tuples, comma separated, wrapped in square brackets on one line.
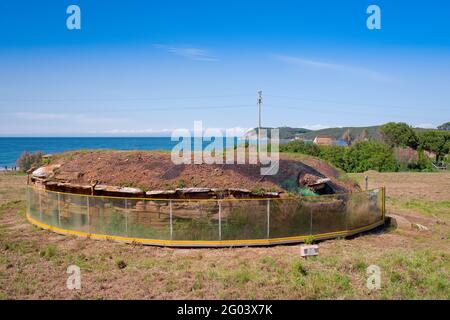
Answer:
[(337, 133), (287, 133)]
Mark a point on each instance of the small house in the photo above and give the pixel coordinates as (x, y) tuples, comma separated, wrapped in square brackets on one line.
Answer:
[(323, 140)]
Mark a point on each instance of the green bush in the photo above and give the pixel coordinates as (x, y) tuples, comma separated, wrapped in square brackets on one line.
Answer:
[(28, 160), (298, 146), (369, 155), (360, 157), (334, 155)]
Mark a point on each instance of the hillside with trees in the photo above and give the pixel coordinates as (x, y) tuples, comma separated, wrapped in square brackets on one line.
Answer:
[(390, 147)]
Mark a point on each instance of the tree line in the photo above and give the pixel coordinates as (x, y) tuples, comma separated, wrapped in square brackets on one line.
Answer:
[(399, 148)]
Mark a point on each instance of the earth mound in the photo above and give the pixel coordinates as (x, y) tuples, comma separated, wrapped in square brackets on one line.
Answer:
[(154, 174)]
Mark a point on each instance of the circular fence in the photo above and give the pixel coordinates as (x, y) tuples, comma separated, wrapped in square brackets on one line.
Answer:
[(206, 223)]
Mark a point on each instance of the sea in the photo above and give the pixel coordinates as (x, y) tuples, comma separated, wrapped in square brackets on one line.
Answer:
[(12, 148)]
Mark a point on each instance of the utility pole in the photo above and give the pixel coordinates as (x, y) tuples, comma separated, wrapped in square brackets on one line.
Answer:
[(259, 101), (258, 131)]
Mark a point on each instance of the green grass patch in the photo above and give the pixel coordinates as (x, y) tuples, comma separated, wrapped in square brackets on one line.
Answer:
[(48, 252), (15, 204), (421, 274), (424, 206)]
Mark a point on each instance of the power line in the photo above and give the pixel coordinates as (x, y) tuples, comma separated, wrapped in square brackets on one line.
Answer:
[(118, 99), (365, 112), (353, 103), (131, 109)]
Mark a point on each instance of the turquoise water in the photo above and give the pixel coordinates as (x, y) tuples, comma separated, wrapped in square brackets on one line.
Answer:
[(12, 148)]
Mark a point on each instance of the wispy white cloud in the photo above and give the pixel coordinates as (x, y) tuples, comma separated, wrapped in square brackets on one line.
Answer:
[(191, 53), (344, 68)]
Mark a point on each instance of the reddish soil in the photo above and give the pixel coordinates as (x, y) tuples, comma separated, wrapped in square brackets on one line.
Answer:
[(153, 170)]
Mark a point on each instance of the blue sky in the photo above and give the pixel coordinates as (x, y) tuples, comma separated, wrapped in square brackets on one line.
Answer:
[(146, 67)]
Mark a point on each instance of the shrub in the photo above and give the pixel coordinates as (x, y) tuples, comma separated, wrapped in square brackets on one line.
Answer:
[(369, 155), (28, 160), (360, 157), (334, 155), (301, 147)]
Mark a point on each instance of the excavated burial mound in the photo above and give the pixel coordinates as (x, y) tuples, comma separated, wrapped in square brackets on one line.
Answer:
[(152, 174)]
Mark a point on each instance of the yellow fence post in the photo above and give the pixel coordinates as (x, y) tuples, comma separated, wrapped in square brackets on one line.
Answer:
[(88, 207), (268, 219), (171, 225), (220, 220)]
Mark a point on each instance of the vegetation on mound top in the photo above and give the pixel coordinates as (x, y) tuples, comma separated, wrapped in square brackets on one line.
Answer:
[(153, 170)]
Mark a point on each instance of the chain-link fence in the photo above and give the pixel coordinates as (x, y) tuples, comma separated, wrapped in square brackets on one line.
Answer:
[(211, 222)]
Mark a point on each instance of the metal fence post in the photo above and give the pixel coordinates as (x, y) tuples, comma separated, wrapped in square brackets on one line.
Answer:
[(88, 208), (170, 213), (40, 206), (59, 209), (28, 200), (268, 219), (126, 216), (220, 220)]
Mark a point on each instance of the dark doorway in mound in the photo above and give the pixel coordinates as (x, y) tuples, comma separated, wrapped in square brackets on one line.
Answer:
[(315, 181)]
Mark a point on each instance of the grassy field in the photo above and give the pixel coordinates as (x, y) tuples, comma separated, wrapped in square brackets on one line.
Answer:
[(414, 262)]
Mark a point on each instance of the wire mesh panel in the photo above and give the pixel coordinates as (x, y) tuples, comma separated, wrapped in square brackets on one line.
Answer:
[(73, 212), (289, 218), (328, 213), (33, 203), (210, 220), (196, 220), (364, 209), (242, 220), (148, 219), (106, 216), (49, 204)]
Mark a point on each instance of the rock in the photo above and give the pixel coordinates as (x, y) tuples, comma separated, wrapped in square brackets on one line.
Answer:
[(117, 191), (130, 190), (419, 227), (160, 192), (310, 180), (45, 172), (314, 182), (239, 190), (193, 190)]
